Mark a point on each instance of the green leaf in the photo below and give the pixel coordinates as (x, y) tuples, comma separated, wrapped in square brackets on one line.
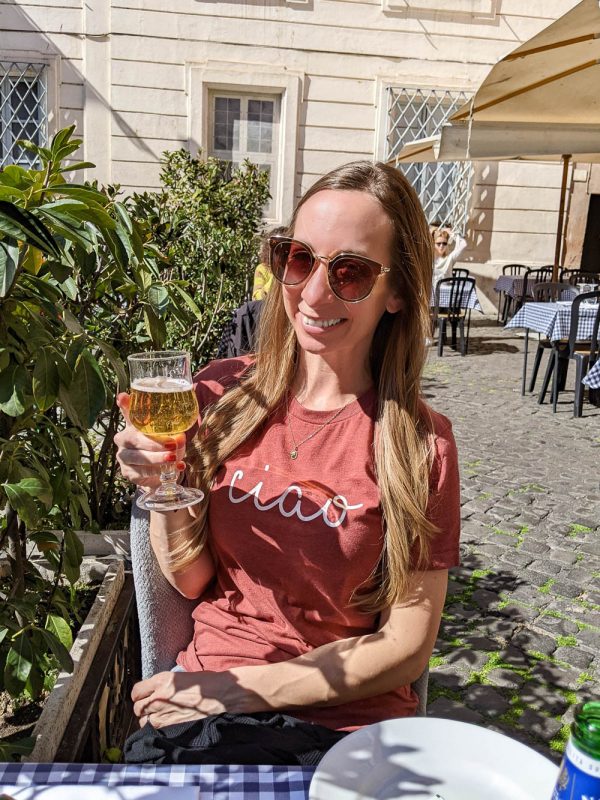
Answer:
[(72, 323), (73, 556), (14, 383), (46, 381), (60, 628), (116, 362), (86, 194), (3, 632), (45, 541), (34, 487), (23, 225), (22, 747), (35, 682), (78, 165), (158, 297), (18, 664), (9, 259), (86, 395), (59, 651), (189, 301)]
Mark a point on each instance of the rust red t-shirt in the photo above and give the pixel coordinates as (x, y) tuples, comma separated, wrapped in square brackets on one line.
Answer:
[(292, 540)]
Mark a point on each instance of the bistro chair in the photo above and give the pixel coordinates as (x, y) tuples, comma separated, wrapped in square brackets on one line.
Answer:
[(545, 292), (165, 616), (530, 279), (584, 352), (504, 300), (454, 310), (460, 272), (575, 276)]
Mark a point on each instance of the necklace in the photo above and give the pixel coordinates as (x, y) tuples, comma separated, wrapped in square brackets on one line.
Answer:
[(297, 445)]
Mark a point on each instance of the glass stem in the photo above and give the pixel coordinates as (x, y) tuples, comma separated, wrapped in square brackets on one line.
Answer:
[(168, 479)]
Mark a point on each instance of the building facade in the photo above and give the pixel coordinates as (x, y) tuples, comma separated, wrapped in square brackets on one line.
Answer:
[(297, 86)]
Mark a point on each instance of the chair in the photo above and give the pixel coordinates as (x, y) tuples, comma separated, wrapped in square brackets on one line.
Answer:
[(545, 292), (455, 311), (575, 276), (165, 616), (584, 352), (530, 279), (504, 300), (460, 272)]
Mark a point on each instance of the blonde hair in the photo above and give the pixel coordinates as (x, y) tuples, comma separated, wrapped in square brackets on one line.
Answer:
[(403, 440)]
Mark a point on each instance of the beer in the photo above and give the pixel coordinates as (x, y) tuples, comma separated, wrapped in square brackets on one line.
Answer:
[(579, 776), (163, 406)]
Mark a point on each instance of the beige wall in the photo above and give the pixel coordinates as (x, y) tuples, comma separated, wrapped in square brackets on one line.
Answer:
[(122, 70)]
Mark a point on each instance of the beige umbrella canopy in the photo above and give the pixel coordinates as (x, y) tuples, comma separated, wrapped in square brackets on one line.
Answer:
[(540, 102)]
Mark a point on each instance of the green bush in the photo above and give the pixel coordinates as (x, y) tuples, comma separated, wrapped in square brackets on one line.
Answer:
[(86, 279)]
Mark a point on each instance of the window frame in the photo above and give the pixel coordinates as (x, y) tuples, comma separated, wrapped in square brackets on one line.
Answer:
[(210, 78)]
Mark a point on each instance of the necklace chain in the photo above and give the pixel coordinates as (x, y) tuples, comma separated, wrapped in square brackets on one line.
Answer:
[(297, 445)]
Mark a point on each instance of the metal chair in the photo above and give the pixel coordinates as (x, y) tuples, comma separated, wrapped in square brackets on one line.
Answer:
[(455, 311), (504, 300), (545, 292), (585, 353), (575, 276)]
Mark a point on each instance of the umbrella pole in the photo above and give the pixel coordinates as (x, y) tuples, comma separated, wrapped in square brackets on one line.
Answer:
[(561, 214)]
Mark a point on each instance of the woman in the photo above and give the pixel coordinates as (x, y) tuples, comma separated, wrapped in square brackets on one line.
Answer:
[(446, 257), (320, 556)]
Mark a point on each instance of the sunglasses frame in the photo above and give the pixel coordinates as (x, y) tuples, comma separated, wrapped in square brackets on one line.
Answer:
[(275, 240)]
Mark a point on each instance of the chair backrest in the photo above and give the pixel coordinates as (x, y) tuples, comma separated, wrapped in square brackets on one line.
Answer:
[(548, 291), (514, 269), (574, 328), (575, 276), (460, 287), (531, 278), (460, 272)]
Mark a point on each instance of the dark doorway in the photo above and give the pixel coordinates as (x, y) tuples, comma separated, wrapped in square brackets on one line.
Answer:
[(590, 257)]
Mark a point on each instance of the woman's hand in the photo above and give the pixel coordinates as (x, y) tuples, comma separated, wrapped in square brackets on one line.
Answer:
[(170, 697), (140, 456)]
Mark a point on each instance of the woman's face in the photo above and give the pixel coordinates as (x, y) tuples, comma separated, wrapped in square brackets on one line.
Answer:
[(331, 222), (440, 244)]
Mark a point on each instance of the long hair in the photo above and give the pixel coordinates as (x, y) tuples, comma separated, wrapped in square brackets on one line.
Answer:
[(403, 441)]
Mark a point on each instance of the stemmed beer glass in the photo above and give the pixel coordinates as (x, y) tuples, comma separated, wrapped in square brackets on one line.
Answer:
[(163, 404)]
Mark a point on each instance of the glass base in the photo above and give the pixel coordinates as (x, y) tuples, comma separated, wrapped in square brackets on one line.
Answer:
[(169, 500)]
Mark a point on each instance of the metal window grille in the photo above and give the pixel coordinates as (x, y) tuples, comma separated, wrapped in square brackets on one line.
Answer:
[(23, 111), (444, 189)]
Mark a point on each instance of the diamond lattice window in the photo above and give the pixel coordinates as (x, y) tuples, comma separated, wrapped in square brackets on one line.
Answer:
[(23, 111), (444, 189)]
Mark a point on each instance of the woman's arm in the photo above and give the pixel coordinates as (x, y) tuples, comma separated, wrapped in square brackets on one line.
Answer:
[(168, 531), (335, 673)]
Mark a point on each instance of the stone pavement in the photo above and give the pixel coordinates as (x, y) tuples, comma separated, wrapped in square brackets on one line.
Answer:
[(519, 642)]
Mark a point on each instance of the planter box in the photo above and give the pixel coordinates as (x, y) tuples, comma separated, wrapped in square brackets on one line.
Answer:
[(90, 709)]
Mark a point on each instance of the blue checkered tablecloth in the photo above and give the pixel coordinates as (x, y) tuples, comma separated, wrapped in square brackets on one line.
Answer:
[(513, 286), (592, 379), (220, 782), (469, 298), (554, 320)]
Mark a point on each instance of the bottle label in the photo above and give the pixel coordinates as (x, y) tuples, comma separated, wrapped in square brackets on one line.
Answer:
[(579, 776)]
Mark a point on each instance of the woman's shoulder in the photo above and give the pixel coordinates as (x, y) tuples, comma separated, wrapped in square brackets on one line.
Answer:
[(213, 380), (440, 428)]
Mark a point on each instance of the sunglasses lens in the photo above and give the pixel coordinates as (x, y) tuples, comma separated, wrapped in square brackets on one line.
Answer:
[(351, 278), (291, 262)]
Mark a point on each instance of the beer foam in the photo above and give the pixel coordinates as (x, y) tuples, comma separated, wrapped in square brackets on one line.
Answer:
[(161, 383)]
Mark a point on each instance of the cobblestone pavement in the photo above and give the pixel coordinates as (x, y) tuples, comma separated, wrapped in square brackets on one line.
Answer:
[(519, 642)]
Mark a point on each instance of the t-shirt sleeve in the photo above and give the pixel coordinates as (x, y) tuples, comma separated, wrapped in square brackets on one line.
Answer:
[(443, 508), (211, 383)]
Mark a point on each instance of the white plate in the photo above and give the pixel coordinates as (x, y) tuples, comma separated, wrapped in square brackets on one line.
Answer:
[(425, 758)]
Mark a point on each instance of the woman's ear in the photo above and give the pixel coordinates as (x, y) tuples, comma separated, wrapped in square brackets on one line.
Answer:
[(394, 304)]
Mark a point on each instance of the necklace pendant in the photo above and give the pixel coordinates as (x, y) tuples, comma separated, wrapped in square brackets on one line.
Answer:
[(293, 454)]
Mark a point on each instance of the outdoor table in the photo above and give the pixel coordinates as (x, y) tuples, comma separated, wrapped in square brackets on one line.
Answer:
[(554, 321), (202, 781), (513, 286), (468, 298), (592, 379)]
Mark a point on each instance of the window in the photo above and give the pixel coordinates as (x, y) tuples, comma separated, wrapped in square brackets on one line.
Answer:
[(246, 126), (23, 110), (444, 189)]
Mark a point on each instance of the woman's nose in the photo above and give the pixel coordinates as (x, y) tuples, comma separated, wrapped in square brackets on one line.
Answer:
[(317, 287)]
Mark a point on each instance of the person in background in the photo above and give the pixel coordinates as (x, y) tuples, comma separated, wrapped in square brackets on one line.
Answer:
[(263, 277), (448, 246)]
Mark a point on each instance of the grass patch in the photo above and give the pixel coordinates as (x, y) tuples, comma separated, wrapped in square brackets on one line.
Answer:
[(526, 487), (566, 641), (559, 742), (484, 496), (585, 677), (436, 661), (575, 530), (545, 587)]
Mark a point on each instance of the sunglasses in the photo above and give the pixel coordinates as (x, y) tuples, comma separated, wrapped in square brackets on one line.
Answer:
[(442, 244), (351, 277)]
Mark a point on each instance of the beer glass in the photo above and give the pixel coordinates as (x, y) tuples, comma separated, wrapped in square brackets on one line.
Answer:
[(163, 404)]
